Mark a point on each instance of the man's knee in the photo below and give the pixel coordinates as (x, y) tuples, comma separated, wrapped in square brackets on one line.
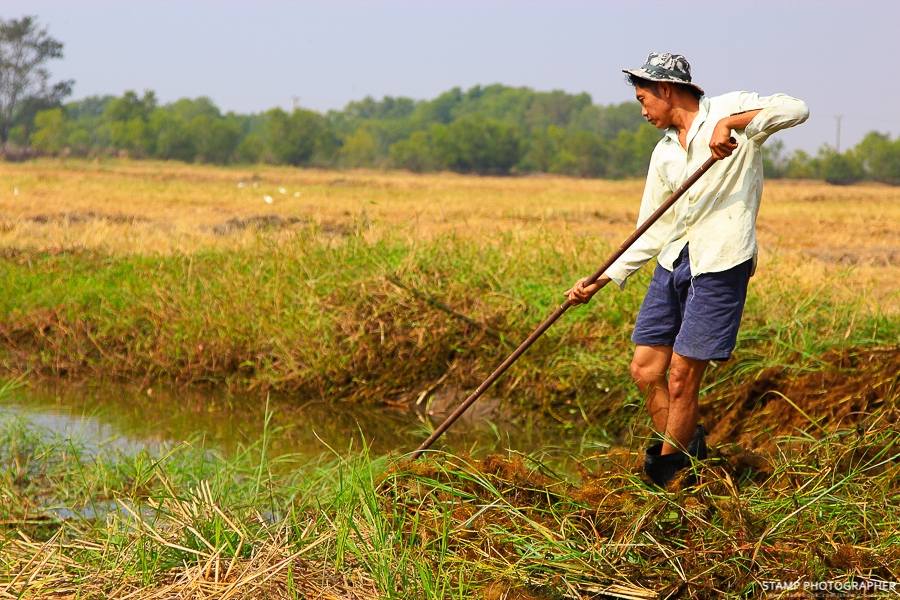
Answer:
[(684, 379), (645, 375), (649, 365)]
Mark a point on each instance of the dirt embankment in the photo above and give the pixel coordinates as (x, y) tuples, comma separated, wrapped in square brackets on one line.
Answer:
[(849, 389)]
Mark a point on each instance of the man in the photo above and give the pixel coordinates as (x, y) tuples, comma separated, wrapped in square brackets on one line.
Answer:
[(705, 245)]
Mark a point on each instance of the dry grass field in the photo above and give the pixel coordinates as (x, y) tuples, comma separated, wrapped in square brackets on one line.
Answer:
[(811, 234)]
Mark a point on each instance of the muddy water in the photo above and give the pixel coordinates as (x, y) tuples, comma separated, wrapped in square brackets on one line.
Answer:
[(131, 418)]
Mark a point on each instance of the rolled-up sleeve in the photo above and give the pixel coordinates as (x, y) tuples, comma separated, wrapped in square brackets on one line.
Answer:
[(776, 112), (648, 245)]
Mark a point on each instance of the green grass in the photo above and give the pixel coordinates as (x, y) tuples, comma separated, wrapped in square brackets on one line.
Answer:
[(320, 317), (108, 523)]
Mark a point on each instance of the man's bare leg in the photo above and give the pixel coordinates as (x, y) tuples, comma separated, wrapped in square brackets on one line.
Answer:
[(683, 406), (648, 369)]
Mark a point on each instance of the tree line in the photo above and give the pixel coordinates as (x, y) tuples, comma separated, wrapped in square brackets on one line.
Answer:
[(875, 158), (489, 130), (492, 129)]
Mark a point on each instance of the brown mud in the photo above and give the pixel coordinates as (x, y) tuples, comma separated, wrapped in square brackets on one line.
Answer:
[(256, 222), (262, 222), (529, 534), (858, 390), (887, 256)]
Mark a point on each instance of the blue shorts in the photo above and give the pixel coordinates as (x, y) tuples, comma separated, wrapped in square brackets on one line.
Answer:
[(697, 316)]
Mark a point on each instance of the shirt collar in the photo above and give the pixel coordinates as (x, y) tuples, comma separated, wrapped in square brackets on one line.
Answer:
[(702, 113)]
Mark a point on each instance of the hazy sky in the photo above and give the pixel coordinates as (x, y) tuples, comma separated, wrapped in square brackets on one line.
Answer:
[(841, 57)]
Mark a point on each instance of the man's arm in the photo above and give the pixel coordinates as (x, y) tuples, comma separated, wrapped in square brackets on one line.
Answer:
[(759, 117), (778, 111), (720, 142)]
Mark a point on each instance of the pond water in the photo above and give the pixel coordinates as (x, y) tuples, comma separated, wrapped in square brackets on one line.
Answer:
[(131, 418)]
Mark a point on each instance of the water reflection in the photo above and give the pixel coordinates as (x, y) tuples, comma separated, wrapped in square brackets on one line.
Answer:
[(129, 417)]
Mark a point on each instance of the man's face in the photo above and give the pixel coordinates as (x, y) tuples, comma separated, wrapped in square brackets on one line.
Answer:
[(654, 107)]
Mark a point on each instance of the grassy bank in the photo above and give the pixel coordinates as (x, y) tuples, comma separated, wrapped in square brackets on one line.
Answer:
[(327, 318), (190, 523)]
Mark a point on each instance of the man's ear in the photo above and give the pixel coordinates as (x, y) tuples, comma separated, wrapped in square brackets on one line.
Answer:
[(665, 90)]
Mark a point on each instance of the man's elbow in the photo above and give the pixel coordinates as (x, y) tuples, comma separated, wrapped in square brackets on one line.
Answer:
[(802, 111), (793, 112)]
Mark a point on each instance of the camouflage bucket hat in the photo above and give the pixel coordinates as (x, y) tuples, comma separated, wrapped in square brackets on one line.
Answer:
[(672, 68)]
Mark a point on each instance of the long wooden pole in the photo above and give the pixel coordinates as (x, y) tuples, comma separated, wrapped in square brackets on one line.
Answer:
[(556, 314)]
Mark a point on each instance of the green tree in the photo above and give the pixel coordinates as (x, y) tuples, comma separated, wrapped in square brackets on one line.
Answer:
[(195, 130), (127, 120), (25, 88), (543, 147), (51, 131), (630, 151), (485, 129), (79, 140), (252, 149), (608, 121), (474, 143), (552, 108), (440, 110), (775, 162), (415, 153), (389, 108), (801, 166), (296, 138), (583, 154), (216, 139), (88, 132), (879, 157), (360, 149), (839, 168), (172, 140)]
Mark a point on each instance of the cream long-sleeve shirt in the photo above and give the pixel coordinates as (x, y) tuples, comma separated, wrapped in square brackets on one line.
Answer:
[(717, 215)]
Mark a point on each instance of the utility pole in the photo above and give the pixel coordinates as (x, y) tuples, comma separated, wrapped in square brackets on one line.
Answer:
[(837, 142), (295, 101)]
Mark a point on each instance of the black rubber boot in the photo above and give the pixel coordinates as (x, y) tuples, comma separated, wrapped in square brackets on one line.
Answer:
[(661, 469), (697, 447)]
